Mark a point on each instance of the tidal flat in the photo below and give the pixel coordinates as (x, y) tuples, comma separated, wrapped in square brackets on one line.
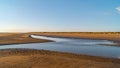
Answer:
[(18, 38), (32, 58), (110, 36)]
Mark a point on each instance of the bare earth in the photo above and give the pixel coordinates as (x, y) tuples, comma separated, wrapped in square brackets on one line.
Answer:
[(18, 38), (26, 58), (111, 36)]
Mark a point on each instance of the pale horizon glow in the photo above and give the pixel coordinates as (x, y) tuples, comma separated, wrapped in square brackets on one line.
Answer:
[(59, 15)]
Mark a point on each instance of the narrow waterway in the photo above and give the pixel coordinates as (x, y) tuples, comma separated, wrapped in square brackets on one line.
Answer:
[(78, 46)]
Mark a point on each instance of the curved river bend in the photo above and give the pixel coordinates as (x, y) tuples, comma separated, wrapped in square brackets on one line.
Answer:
[(78, 46)]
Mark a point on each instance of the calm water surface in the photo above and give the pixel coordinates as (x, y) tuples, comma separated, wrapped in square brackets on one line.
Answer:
[(78, 46)]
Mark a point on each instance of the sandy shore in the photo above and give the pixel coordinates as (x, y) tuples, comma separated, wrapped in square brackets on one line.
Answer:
[(18, 38), (26, 58), (23, 38), (111, 36)]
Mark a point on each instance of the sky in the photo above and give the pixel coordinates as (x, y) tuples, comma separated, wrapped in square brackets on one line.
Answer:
[(59, 15)]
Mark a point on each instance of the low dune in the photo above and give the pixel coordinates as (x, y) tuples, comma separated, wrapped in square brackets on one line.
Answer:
[(26, 58)]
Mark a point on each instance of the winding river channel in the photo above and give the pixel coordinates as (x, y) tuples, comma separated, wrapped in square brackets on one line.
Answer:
[(77, 46)]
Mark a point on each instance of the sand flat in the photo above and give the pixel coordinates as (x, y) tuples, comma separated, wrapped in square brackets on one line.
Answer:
[(18, 38), (111, 36), (26, 58)]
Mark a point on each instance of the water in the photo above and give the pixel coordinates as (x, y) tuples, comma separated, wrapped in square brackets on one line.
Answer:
[(78, 46)]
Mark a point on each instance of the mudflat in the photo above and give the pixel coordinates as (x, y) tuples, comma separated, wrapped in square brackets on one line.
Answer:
[(26, 58), (22, 38), (18, 38), (29, 58), (111, 36)]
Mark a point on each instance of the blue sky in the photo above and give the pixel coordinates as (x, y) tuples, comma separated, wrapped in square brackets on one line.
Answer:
[(59, 15)]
